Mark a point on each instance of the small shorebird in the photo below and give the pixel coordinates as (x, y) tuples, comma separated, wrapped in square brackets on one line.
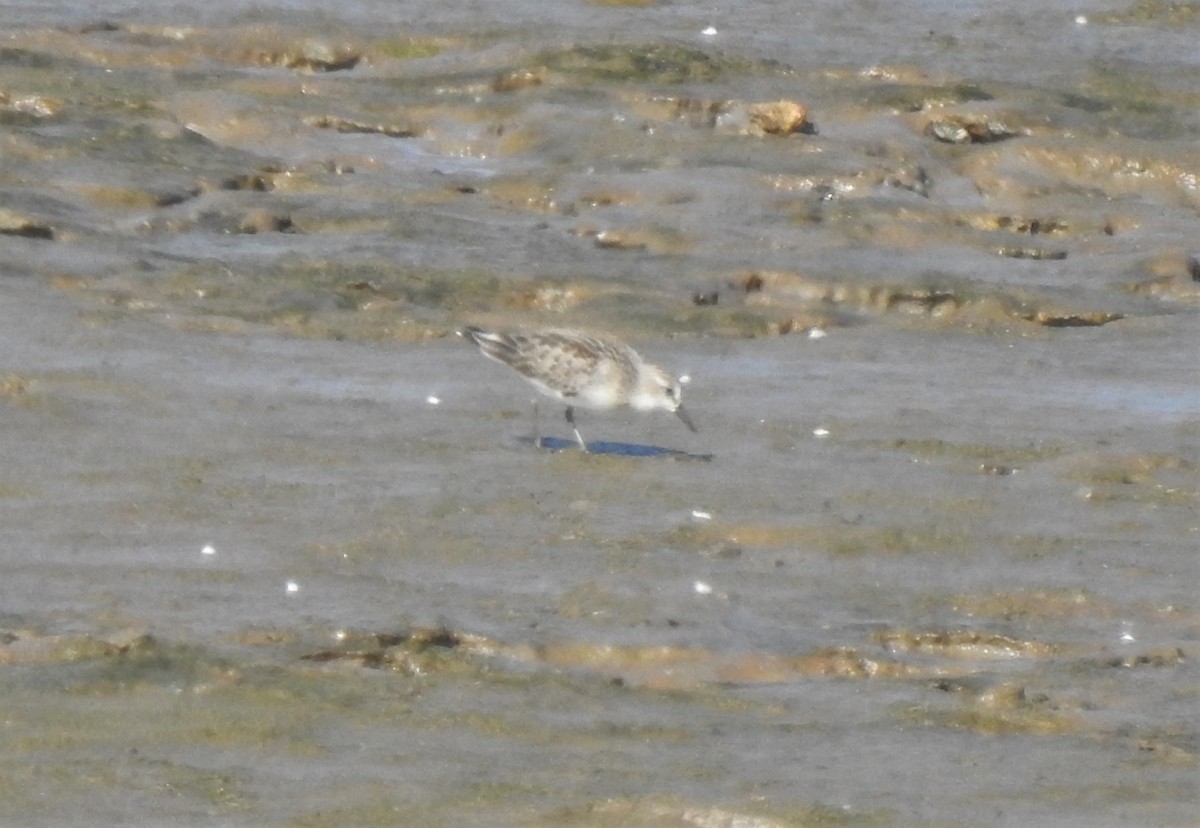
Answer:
[(583, 370)]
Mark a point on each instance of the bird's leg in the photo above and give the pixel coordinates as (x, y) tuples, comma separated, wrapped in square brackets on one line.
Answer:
[(578, 436), (537, 429)]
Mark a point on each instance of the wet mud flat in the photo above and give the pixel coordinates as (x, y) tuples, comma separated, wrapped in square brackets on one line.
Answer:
[(277, 548)]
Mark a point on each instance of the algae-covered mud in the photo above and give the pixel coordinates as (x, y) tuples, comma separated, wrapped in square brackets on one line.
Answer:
[(277, 546)]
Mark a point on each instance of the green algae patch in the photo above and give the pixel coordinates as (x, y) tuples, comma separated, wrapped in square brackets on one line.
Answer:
[(914, 97), (407, 48), (1154, 12), (316, 298), (857, 542), (649, 63), (654, 810), (1031, 717), (990, 457)]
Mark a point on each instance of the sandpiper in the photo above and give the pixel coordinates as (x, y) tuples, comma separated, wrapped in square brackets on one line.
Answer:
[(583, 371)]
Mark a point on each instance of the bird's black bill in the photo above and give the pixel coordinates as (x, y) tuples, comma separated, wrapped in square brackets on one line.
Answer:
[(687, 421)]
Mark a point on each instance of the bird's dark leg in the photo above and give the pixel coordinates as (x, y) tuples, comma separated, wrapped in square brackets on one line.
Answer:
[(578, 436), (537, 428)]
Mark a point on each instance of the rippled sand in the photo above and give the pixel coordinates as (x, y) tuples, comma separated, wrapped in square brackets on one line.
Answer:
[(278, 549)]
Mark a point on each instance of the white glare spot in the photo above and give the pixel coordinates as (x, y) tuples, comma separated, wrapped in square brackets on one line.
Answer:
[(820, 432), (700, 515), (292, 587), (709, 31), (702, 588), (340, 635), (1081, 20), (817, 333), (685, 379), (433, 399), (208, 550)]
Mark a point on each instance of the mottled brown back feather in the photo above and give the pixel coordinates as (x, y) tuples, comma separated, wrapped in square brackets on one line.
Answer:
[(563, 361)]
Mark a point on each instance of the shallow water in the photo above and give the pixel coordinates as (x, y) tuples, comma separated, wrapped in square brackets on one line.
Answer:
[(277, 548)]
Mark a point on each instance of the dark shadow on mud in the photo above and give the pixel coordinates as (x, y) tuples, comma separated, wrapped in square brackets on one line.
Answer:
[(606, 447)]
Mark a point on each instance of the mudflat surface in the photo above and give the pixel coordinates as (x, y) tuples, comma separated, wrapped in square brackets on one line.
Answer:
[(276, 547)]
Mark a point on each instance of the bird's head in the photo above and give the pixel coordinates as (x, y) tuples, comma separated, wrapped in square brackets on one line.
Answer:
[(659, 390)]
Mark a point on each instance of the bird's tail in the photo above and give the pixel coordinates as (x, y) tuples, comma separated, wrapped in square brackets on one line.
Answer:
[(498, 346)]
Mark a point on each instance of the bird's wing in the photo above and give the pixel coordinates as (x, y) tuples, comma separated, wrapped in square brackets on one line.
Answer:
[(564, 363), (561, 362)]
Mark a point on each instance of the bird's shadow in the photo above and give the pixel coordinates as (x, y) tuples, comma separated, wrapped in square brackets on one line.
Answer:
[(556, 444)]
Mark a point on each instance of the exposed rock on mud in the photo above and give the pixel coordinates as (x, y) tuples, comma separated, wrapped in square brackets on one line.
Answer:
[(12, 224)]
